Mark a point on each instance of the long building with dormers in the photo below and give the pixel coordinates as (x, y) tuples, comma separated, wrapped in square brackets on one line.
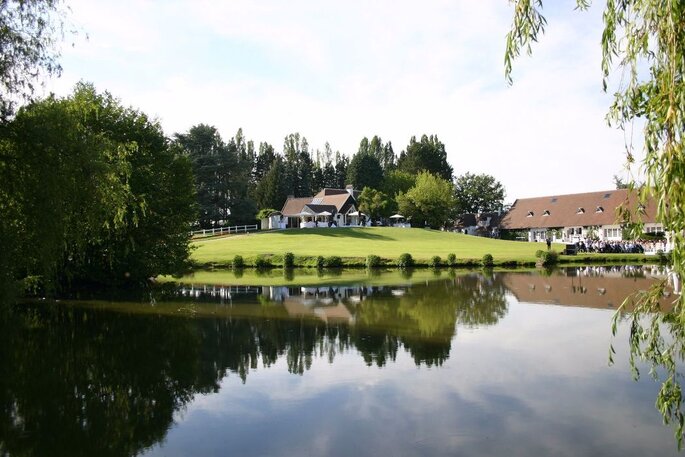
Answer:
[(574, 217)]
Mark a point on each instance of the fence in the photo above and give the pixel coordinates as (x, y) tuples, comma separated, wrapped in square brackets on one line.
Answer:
[(224, 230)]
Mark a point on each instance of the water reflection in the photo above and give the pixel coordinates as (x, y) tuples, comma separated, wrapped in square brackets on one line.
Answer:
[(107, 379)]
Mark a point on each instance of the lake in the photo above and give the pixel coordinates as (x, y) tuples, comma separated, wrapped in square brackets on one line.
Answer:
[(405, 364)]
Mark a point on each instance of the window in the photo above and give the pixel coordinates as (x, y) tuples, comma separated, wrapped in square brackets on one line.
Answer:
[(612, 233), (580, 211), (599, 210), (546, 213), (530, 214)]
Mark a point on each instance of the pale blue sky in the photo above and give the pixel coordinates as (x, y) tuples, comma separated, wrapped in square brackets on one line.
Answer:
[(340, 71)]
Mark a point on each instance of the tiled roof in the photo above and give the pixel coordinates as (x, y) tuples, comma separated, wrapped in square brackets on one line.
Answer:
[(294, 206), (338, 200), (574, 210)]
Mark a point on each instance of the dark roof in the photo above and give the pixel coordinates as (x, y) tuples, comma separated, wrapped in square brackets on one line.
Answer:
[(329, 191), (316, 209), (465, 220), (575, 210)]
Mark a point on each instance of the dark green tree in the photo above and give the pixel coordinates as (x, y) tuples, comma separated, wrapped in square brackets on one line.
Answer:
[(236, 178), (478, 194), (211, 167), (299, 165), (426, 155), (364, 170), (342, 162), (271, 191)]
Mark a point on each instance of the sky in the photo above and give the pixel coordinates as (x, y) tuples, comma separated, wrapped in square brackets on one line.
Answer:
[(339, 71)]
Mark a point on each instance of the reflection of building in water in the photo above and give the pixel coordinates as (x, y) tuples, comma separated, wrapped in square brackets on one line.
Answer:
[(328, 303), (217, 294), (591, 287)]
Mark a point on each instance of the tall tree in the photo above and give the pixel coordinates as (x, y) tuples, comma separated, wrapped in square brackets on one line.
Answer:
[(212, 166), (236, 181), (364, 170), (643, 42), (430, 202), (426, 155), (478, 194), (271, 191), (263, 162), (342, 162), (299, 165)]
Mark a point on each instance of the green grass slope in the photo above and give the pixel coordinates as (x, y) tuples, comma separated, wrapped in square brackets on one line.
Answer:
[(385, 242)]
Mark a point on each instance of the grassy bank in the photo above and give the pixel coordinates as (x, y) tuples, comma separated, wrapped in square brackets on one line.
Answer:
[(353, 245)]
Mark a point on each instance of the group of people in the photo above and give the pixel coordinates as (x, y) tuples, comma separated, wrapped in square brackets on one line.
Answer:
[(620, 247)]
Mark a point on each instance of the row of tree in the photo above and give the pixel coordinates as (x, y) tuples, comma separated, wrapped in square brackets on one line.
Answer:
[(234, 179)]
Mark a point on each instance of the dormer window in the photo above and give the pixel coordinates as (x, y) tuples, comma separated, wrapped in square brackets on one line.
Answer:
[(546, 213), (599, 210), (641, 208), (530, 214), (580, 211)]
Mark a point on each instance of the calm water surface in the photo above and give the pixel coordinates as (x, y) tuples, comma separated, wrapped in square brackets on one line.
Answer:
[(508, 364)]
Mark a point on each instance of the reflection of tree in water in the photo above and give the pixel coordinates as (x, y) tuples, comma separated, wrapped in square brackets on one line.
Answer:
[(480, 299), (93, 383), (77, 381), (425, 315)]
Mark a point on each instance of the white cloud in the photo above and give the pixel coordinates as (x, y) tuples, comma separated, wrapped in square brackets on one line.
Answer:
[(338, 72)]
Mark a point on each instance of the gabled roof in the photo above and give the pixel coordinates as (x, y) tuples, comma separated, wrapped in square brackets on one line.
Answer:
[(316, 209), (334, 201), (575, 210)]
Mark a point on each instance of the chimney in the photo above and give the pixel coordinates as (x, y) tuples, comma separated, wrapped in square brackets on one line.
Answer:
[(350, 189)]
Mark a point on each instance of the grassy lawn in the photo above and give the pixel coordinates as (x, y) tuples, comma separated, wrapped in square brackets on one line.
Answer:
[(385, 242)]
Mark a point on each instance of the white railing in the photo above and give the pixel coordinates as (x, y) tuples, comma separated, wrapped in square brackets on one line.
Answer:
[(224, 230)]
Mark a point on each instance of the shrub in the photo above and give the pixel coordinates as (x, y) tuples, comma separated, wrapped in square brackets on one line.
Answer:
[(539, 253), (262, 262), (435, 261), (333, 262), (488, 261), (549, 258), (451, 260), (320, 262), (288, 260), (373, 261), (238, 262), (405, 260)]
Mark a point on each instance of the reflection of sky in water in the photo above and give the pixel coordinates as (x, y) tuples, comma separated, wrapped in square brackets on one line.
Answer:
[(536, 383)]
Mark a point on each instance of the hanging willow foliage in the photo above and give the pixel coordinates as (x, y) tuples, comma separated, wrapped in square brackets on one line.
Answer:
[(643, 42)]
